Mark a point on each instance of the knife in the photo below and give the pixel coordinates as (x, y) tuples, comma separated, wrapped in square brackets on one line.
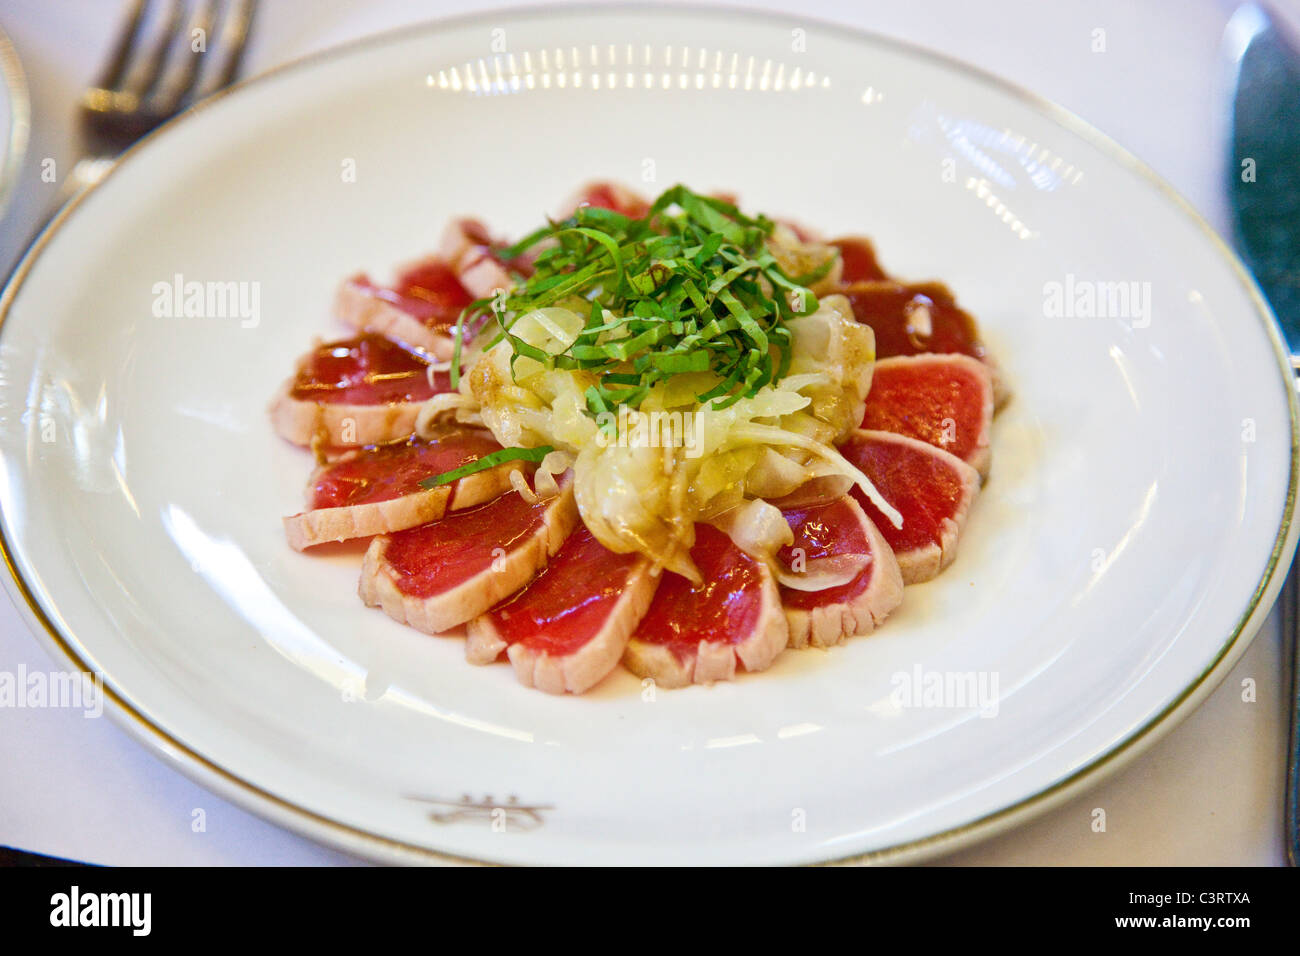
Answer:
[(1264, 192)]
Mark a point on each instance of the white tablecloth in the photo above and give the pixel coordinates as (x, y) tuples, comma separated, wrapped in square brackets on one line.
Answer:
[(1209, 793)]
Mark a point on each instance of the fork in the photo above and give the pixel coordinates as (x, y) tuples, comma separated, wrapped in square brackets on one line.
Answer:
[(151, 78)]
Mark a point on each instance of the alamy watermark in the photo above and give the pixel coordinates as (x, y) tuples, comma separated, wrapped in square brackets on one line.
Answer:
[(946, 690), (74, 908), (182, 298), (71, 690), (630, 428), (1075, 298)]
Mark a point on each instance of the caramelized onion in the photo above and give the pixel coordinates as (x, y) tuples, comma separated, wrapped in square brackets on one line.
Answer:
[(520, 484), (435, 408), (757, 528)]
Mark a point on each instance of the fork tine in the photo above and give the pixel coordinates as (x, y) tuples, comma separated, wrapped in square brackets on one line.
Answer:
[(177, 83), (234, 38), (145, 87), (144, 73), (121, 54)]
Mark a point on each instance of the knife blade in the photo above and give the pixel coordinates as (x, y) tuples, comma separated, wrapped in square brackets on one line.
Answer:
[(1264, 193)]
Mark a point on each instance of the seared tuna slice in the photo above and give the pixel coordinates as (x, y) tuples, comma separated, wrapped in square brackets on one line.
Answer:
[(945, 400), (440, 575), (472, 252), (359, 391), (568, 628), (858, 260), (377, 490), (612, 196), (420, 309), (931, 488), (824, 535), (920, 318), (697, 634)]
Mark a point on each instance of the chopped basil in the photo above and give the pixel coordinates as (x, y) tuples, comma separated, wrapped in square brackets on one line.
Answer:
[(486, 462), (689, 287)]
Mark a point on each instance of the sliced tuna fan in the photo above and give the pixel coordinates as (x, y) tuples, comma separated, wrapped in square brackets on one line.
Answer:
[(530, 584)]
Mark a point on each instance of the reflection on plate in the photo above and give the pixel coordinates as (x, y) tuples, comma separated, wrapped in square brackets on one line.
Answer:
[(14, 119)]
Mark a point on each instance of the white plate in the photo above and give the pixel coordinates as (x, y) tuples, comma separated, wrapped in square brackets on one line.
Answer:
[(1116, 565)]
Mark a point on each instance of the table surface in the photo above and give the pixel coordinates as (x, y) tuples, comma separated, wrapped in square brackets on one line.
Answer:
[(1208, 793)]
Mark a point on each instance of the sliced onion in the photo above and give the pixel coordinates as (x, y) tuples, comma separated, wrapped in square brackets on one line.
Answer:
[(757, 528), (545, 485), (437, 406), (544, 482), (520, 484), (822, 573), (921, 321), (778, 436), (797, 383), (817, 491), (556, 462), (774, 475)]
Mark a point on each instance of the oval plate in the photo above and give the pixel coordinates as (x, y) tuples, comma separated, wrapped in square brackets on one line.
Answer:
[(1122, 555)]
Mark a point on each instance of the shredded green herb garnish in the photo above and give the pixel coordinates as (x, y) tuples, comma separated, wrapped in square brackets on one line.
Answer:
[(486, 462), (689, 287)]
